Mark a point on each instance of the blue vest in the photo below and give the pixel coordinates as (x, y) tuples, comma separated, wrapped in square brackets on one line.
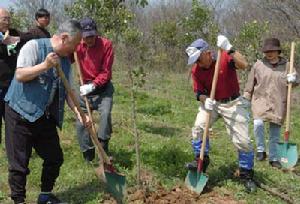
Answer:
[(31, 99)]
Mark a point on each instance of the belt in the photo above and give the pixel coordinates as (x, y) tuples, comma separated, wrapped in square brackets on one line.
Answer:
[(226, 100)]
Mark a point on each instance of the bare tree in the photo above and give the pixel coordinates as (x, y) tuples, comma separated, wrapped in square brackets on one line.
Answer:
[(282, 16)]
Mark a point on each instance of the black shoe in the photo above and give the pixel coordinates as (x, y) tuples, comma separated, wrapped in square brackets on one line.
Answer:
[(250, 185), (48, 199), (261, 156), (89, 155), (19, 201), (247, 177), (194, 164), (275, 164)]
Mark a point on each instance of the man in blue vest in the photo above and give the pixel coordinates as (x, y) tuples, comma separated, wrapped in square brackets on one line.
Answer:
[(35, 106)]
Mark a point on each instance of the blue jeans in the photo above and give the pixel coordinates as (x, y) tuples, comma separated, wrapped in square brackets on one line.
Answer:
[(101, 102), (259, 132)]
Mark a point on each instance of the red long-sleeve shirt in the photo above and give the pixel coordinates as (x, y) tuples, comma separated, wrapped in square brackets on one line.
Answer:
[(227, 85), (96, 62)]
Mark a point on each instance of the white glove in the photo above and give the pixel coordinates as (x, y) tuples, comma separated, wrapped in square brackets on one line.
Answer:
[(291, 78), (209, 104), (86, 89), (223, 43)]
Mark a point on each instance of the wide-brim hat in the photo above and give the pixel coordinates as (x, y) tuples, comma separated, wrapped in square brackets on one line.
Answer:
[(271, 44)]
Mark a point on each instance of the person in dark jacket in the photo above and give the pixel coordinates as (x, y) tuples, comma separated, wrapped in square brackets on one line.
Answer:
[(42, 19), (11, 41)]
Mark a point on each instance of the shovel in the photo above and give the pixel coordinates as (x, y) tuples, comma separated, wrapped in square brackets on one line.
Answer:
[(288, 154), (196, 180), (115, 182)]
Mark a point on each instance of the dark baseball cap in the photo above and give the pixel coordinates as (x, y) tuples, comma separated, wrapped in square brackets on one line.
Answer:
[(88, 27)]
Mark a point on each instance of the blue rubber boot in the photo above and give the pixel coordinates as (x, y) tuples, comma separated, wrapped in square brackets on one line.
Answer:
[(246, 163), (196, 144)]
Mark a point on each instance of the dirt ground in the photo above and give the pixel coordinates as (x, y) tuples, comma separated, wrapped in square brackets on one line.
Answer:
[(177, 195), (180, 195)]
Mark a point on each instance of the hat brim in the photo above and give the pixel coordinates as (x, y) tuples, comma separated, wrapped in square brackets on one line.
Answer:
[(194, 58), (89, 33), (271, 48)]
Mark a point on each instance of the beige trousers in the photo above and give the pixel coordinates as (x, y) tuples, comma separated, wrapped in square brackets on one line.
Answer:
[(236, 118)]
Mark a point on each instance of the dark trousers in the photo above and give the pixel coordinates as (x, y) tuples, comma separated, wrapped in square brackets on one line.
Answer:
[(20, 137), (2, 109)]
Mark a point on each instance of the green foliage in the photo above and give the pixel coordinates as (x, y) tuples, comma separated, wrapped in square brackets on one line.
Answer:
[(249, 42), (166, 33), (136, 55), (142, 3), (199, 23), (19, 19), (111, 15), (250, 39), (157, 107)]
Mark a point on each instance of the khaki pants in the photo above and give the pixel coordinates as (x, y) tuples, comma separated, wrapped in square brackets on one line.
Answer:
[(236, 118)]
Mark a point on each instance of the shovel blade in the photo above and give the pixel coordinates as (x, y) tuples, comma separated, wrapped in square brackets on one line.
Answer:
[(116, 185), (196, 181), (288, 154)]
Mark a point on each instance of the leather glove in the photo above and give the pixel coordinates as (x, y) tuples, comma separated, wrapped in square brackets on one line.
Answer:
[(223, 43), (209, 104), (291, 78), (86, 89)]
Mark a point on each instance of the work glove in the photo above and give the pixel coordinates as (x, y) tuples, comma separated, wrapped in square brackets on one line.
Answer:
[(291, 78), (209, 104), (223, 43), (86, 89), (11, 48)]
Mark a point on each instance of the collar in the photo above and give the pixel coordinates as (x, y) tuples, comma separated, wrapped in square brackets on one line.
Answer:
[(282, 61)]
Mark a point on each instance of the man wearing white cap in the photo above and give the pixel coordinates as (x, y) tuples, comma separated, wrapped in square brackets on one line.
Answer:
[(227, 104)]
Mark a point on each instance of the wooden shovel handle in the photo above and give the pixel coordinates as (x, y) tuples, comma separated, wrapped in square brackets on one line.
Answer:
[(212, 96), (289, 93), (82, 114)]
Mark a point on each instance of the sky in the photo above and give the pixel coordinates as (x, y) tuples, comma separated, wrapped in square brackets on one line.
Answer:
[(5, 3)]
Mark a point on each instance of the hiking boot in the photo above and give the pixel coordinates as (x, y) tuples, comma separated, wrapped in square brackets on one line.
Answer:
[(194, 164), (48, 199), (261, 156), (247, 177), (89, 155), (275, 164)]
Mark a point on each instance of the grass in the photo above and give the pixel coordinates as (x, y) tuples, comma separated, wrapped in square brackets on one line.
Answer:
[(166, 113)]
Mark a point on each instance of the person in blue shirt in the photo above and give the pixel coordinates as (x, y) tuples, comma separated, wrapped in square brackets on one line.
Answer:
[(35, 106)]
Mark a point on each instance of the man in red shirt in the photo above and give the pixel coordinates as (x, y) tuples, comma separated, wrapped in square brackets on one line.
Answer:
[(228, 103), (95, 56)]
